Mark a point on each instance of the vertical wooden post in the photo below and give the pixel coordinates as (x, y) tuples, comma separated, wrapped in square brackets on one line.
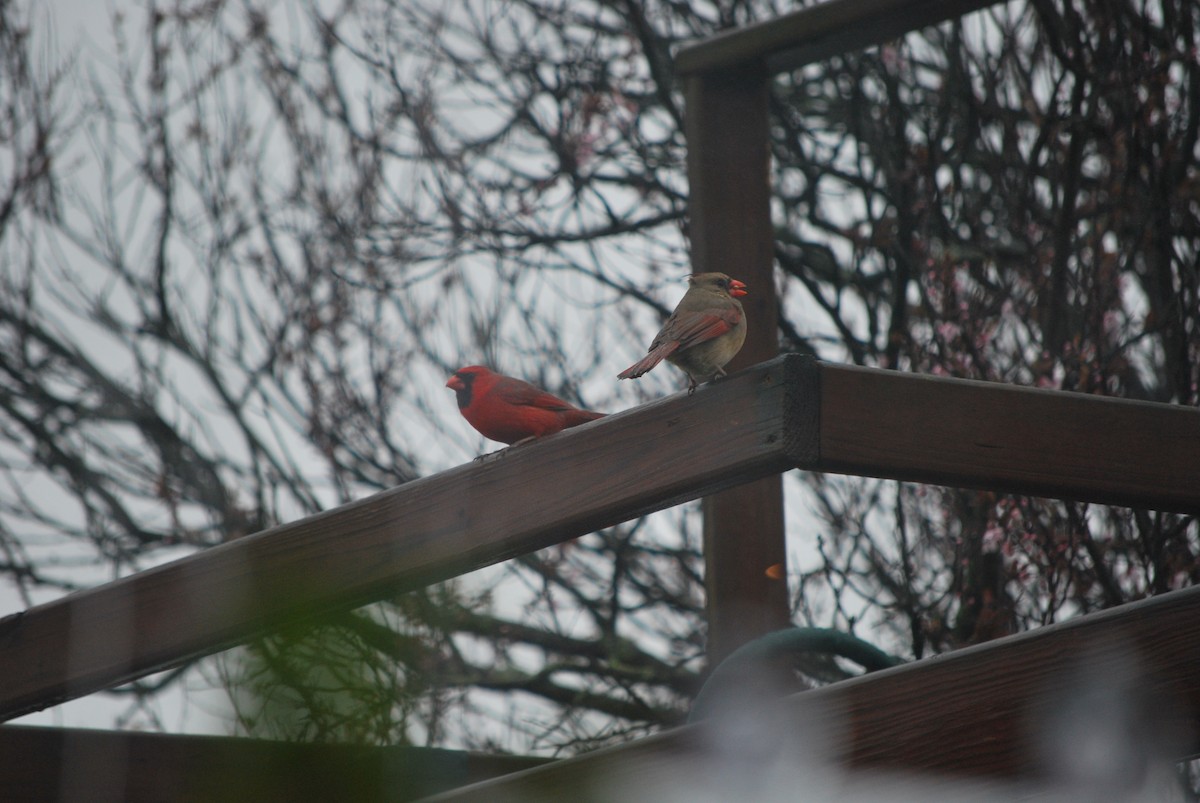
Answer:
[(730, 229)]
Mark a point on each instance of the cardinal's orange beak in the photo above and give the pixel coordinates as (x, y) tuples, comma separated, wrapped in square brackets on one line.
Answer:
[(736, 288), (454, 383)]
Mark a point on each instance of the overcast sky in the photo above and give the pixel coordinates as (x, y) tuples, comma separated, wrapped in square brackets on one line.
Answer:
[(81, 30)]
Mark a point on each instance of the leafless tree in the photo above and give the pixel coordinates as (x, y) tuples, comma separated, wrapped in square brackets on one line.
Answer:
[(256, 246)]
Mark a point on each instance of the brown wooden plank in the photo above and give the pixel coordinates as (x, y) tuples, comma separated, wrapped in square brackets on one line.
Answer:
[(965, 713), (73, 765), (438, 527), (730, 231), (818, 32), (979, 704), (1006, 438), (751, 425)]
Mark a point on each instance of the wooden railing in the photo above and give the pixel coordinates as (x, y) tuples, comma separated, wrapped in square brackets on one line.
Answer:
[(792, 412), (967, 714)]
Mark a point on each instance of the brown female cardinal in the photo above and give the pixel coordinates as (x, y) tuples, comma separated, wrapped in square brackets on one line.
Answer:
[(511, 410), (704, 332)]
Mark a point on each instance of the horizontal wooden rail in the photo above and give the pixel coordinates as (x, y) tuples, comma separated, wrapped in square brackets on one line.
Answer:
[(438, 527), (76, 765), (972, 712), (1007, 438), (818, 32), (787, 412)]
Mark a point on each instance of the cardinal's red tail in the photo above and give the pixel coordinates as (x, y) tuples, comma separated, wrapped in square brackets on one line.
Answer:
[(649, 361)]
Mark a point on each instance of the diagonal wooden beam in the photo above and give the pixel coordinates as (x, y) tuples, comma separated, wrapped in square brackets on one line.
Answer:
[(784, 413), (817, 32), (973, 712), (584, 479)]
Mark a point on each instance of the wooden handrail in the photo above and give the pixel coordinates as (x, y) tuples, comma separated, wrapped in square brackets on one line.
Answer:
[(789, 412), (587, 478), (1001, 437), (970, 713)]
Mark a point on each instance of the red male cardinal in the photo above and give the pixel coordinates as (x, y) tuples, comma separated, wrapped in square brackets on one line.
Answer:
[(511, 410), (704, 332)]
